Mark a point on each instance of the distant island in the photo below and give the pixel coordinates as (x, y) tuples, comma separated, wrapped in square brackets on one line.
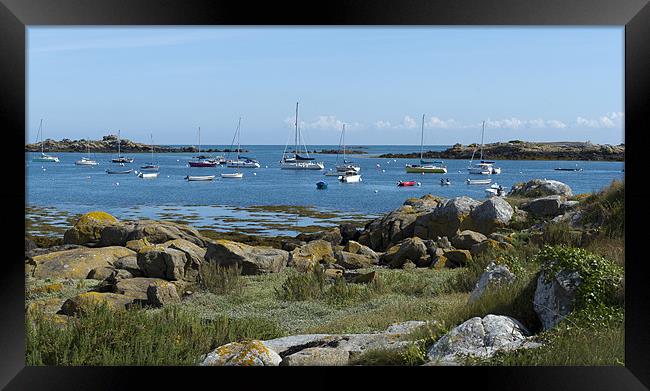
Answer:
[(353, 151), (523, 150), (108, 144)]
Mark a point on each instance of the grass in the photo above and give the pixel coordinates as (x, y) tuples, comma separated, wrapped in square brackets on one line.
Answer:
[(606, 209), (171, 336), (221, 279)]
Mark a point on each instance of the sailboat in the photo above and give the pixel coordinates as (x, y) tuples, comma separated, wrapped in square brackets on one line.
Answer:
[(484, 167), (150, 166), (241, 161), (235, 175), (120, 158), (434, 167), (86, 161), (44, 157), (298, 162), (202, 161), (346, 166)]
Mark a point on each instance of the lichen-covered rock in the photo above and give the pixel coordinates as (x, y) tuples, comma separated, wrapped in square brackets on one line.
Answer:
[(88, 228), (494, 275), (164, 262), (317, 356), (365, 278), (405, 327), (333, 236), (162, 293), (100, 273), (357, 248), (156, 232), (491, 214), (348, 232), (478, 337), (464, 240), (411, 249), (252, 260), (540, 188), (137, 244), (385, 231), (489, 245), (353, 261), (130, 264), (457, 258), (306, 257), (84, 301), (137, 287), (555, 296), (246, 353), (30, 244), (427, 201), (75, 263), (545, 206), (446, 219)]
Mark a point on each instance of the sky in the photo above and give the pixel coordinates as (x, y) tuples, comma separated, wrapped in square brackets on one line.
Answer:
[(526, 83)]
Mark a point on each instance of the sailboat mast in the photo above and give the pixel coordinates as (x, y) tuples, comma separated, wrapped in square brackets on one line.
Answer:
[(119, 154), (295, 148), (482, 133), (40, 130), (238, 143), (151, 135), (422, 138), (199, 141), (343, 143)]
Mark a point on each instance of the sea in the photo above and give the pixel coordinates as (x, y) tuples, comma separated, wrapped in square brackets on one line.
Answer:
[(69, 188)]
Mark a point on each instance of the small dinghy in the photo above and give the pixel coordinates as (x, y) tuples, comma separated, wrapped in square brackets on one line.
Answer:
[(321, 185), (445, 182), (478, 181), (234, 175), (109, 171), (199, 177), (148, 175), (407, 183)]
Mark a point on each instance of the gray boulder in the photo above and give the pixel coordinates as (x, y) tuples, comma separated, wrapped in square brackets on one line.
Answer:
[(545, 206), (383, 232), (161, 294), (446, 219), (118, 234), (493, 275), (466, 239), (490, 215), (252, 260), (167, 263), (478, 337), (555, 296), (245, 353), (540, 188), (411, 249)]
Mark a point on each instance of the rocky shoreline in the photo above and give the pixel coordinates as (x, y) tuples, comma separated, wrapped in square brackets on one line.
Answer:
[(152, 264), (357, 151), (108, 144), (522, 150)]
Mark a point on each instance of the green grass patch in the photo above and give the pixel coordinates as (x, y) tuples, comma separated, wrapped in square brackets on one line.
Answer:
[(606, 209)]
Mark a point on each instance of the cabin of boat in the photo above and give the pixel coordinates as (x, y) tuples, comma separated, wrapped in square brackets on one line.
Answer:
[(350, 177)]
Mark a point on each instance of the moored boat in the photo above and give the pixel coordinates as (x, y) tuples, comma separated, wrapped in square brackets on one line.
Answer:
[(350, 177), (484, 167), (407, 183), (425, 167), (120, 158), (199, 177), (86, 161), (298, 162), (347, 165), (235, 175), (321, 185), (113, 171), (202, 160), (44, 158), (478, 181), (148, 175), (150, 166)]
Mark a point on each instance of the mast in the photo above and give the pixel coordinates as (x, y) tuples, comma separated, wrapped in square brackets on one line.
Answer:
[(199, 141), (118, 145), (343, 136), (482, 133), (422, 139), (40, 131), (238, 143), (295, 150), (151, 135)]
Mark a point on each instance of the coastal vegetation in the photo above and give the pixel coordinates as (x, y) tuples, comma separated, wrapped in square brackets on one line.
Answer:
[(523, 150), (402, 289)]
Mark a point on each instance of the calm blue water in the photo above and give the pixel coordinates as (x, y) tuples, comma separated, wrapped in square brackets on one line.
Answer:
[(78, 188)]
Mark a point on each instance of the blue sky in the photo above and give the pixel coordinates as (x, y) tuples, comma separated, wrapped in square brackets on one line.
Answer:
[(537, 84)]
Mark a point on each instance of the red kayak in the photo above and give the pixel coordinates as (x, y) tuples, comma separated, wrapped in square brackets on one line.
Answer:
[(203, 163), (406, 183)]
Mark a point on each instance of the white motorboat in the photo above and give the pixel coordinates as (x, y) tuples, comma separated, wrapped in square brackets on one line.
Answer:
[(478, 181), (298, 162), (424, 166), (235, 175), (109, 171), (483, 167), (86, 161), (350, 177), (239, 163), (44, 158), (346, 166), (148, 175), (199, 177)]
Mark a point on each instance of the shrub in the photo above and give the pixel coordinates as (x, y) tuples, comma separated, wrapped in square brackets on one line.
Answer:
[(101, 336), (221, 279), (303, 286), (561, 233), (606, 209)]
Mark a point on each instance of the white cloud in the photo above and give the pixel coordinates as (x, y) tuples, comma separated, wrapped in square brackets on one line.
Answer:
[(435, 122), (323, 122), (382, 124), (555, 124), (609, 120), (408, 122), (516, 123)]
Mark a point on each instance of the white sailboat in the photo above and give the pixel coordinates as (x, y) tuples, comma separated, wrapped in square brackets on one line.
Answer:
[(241, 161), (150, 166), (236, 175), (120, 158), (298, 162), (346, 166), (44, 158), (435, 167), (86, 161), (484, 167)]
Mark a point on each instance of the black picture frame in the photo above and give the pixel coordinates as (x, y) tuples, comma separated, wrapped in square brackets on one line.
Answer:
[(17, 15)]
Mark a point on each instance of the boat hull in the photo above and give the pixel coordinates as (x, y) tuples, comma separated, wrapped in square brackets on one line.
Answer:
[(426, 169), (233, 176), (119, 172), (203, 164), (48, 159), (479, 181), (243, 164), (122, 160), (350, 178), (321, 185), (301, 166), (148, 175), (406, 183), (199, 177), (86, 163)]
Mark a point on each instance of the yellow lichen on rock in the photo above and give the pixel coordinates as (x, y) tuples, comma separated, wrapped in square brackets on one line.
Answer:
[(88, 228)]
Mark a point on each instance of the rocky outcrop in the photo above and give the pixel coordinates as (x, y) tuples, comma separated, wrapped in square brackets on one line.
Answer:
[(489, 245), (333, 236), (306, 257), (540, 188), (162, 293), (350, 260), (154, 231), (548, 206), (446, 219), (88, 228), (478, 337), (411, 249), (385, 231), (457, 258), (252, 260), (555, 296), (169, 262), (358, 248), (493, 276), (245, 353), (466, 239), (491, 215), (76, 263), (84, 301)]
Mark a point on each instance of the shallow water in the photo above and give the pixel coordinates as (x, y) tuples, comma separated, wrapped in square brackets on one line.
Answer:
[(77, 189)]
